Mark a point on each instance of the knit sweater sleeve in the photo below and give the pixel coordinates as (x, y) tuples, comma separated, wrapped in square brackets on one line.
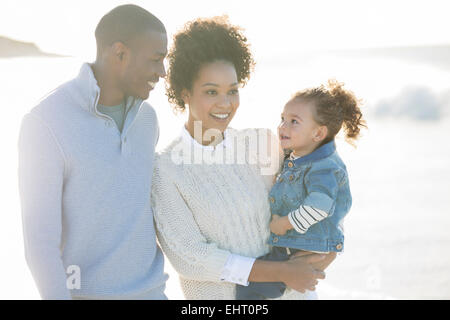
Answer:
[(41, 171), (190, 253)]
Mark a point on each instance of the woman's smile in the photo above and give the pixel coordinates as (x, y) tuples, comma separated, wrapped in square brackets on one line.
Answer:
[(220, 116)]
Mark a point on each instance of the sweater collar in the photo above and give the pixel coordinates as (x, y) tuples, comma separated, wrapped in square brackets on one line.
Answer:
[(90, 91), (188, 139)]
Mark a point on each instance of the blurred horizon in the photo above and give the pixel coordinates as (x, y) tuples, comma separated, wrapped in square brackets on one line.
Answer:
[(67, 27), (437, 49)]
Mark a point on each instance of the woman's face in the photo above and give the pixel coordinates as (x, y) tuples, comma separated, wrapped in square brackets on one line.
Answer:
[(214, 97)]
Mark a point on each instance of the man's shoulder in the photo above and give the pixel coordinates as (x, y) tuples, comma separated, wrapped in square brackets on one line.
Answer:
[(148, 115), (148, 108), (53, 101)]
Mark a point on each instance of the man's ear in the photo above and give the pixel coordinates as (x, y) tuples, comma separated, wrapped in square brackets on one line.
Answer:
[(320, 134), (120, 51)]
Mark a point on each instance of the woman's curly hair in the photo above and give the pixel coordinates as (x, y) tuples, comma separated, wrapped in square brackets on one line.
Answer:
[(335, 107), (204, 41)]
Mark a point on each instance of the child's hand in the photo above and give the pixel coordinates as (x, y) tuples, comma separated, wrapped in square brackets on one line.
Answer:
[(280, 225)]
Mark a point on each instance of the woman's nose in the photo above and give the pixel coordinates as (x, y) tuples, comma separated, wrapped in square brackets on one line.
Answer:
[(224, 102)]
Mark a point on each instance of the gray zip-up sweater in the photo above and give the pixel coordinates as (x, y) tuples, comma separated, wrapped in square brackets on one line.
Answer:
[(85, 195)]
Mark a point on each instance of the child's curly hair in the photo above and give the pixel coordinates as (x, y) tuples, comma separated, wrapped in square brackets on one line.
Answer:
[(204, 41), (334, 107)]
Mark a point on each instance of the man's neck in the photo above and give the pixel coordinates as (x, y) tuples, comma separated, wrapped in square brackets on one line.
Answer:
[(110, 94)]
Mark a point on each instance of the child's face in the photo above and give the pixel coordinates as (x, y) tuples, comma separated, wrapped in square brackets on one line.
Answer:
[(298, 130)]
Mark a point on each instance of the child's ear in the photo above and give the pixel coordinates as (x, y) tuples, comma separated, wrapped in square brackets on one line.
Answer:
[(321, 133)]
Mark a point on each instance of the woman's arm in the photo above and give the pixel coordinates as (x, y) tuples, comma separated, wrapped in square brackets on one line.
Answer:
[(320, 265), (298, 273)]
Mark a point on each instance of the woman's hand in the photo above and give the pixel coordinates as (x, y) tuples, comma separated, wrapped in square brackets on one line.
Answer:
[(280, 225), (300, 272), (320, 265)]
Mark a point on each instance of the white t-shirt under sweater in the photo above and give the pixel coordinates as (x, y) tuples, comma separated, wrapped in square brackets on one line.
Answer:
[(209, 209)]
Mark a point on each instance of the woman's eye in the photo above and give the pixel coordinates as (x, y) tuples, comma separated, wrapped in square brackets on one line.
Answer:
[(294, 121), (234, 92), (211, 92)]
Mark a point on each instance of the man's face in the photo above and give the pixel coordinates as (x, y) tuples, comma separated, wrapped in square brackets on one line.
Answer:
[(144, 64)]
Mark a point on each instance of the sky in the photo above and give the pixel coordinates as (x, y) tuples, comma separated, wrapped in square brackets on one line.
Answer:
[(67, 27)]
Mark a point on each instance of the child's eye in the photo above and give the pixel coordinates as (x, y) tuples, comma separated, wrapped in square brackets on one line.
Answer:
[(234, 92), (294, 121)]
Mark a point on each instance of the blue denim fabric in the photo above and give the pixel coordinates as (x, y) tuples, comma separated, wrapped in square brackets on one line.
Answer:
[(319, 180)]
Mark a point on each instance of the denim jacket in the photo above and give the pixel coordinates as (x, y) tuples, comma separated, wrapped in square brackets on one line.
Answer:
[(318, 180)]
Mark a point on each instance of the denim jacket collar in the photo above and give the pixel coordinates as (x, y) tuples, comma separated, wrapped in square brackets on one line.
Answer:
[(320, 153)]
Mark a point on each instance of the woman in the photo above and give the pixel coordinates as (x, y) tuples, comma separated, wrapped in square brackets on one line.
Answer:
[(210, 191)]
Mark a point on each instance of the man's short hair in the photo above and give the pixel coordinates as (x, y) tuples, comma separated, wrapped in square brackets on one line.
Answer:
[(124, 23)]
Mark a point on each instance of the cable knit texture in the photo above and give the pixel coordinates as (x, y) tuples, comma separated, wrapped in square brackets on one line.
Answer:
[(206, 212)]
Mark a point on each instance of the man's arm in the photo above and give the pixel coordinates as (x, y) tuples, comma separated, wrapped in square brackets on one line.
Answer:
[(41, 175)]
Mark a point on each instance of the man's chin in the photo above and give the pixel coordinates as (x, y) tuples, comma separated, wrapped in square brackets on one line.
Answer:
[(143, 96)]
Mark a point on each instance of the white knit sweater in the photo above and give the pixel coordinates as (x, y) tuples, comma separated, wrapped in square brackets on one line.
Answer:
[(206, 212)]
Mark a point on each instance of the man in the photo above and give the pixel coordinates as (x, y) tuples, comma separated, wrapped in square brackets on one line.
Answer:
[(85, 166)]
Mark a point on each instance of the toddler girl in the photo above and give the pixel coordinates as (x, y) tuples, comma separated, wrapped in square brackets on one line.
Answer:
[(311, 195)]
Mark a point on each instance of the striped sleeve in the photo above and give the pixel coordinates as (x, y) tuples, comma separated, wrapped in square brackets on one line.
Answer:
[(304, 217)]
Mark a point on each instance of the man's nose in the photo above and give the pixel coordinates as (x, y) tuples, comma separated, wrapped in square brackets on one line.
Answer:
[(162, 71)]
